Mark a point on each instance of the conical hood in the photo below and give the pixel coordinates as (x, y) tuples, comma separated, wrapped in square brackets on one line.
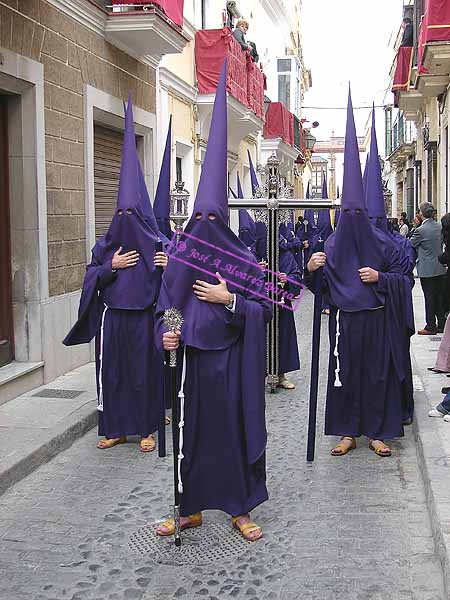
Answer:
[(207, 246), (374, 191), (354, 244), (309, 213), (337, 210), (324, 229), (365, 175), (161, 206), (214, 171), (253, 176), (232, 193), (247, 226), (130, 192)]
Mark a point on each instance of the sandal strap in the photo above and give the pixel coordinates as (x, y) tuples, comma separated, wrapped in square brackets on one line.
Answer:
[(249, 527)]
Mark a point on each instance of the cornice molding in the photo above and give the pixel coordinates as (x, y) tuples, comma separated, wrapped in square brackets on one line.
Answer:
[(170, 81)]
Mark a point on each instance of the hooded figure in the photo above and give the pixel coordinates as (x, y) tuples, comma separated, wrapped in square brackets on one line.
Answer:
[(212, 279), (117, 308), (364, 288), (324, 229), (161, 206), (407, 257), (337, 212), (288, 355), (305, 232), (247, 226)]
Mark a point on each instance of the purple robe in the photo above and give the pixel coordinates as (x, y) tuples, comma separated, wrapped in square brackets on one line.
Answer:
[(117, 308), (224, 391), (289, 357), (367, 359)]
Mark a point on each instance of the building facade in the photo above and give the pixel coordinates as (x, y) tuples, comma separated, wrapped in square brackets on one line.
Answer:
[(66, 67), (417, 140)]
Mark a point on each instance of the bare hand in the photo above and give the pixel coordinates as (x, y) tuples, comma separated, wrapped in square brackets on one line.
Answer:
[(123, 261), (317, 260), (216, 294), (160, 259), (306, 244), (263, 264), (368, 275), (171, 340), (282, 277)]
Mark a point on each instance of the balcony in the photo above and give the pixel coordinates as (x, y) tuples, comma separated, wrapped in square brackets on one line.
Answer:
[(284, 136), (245, 85), (403, 145), (143, 29), (435, 34)]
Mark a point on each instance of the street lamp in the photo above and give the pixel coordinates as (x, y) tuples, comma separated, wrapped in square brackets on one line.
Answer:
[(310, 141), (179, 198)]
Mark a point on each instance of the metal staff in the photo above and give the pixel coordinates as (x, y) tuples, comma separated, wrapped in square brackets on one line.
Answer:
[(173, 320), (162, 416), (315, 359)]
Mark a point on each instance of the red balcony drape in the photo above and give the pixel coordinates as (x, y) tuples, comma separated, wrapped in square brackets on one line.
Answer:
[(279, 123), (403, 69), (438, 21), (245, 81), (172, 8)]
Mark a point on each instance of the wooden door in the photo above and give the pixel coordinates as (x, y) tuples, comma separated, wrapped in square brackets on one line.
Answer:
[(6, 313)]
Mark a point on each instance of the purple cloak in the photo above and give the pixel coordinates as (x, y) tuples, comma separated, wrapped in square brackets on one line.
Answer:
[(224, 432), (117, 308)]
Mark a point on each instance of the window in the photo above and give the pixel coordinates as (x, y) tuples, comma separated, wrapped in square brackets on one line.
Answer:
[(284, 90), (179, 168), (284, 65)]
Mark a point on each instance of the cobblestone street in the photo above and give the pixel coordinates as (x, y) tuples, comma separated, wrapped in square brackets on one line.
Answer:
[(355, 527)]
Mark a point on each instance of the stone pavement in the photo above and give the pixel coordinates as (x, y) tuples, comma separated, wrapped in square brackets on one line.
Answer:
[(37, 426), (358, 526)]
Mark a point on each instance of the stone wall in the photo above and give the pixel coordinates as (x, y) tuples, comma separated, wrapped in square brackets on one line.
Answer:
[(72, 57)]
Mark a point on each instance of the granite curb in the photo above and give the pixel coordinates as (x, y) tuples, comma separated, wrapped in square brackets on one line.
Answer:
[(59, 438), (434, 464)]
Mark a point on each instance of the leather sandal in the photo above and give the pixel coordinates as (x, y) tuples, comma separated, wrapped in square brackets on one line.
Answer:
[(381, 449), (195, 520), (342, 449), (247, 528), (147, 444), (109, 443)]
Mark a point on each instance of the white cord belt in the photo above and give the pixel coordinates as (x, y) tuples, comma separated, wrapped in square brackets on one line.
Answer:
[(181, 423), (100, 370), (337, 381)]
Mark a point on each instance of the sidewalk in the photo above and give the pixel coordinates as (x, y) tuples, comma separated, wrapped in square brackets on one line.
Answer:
[(432, 435), (37, 426)]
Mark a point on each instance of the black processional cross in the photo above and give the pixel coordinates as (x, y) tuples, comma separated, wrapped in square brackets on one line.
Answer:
[(274, 204)]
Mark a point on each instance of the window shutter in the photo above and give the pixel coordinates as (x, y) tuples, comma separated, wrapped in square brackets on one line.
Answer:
[(107, 159)]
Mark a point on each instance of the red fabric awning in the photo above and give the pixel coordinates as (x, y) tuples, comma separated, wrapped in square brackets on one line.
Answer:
[(279, 123), (403, 69), (172, 8), (421, 45), (438, 21), (245, 81)]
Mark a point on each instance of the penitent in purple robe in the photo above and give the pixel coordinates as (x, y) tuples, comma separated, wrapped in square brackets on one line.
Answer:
[(117, 308), (289, 357), (224, 405), (366, 366), (407, 257)]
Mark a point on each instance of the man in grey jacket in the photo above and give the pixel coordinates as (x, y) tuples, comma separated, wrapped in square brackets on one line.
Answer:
[(426, 239)]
